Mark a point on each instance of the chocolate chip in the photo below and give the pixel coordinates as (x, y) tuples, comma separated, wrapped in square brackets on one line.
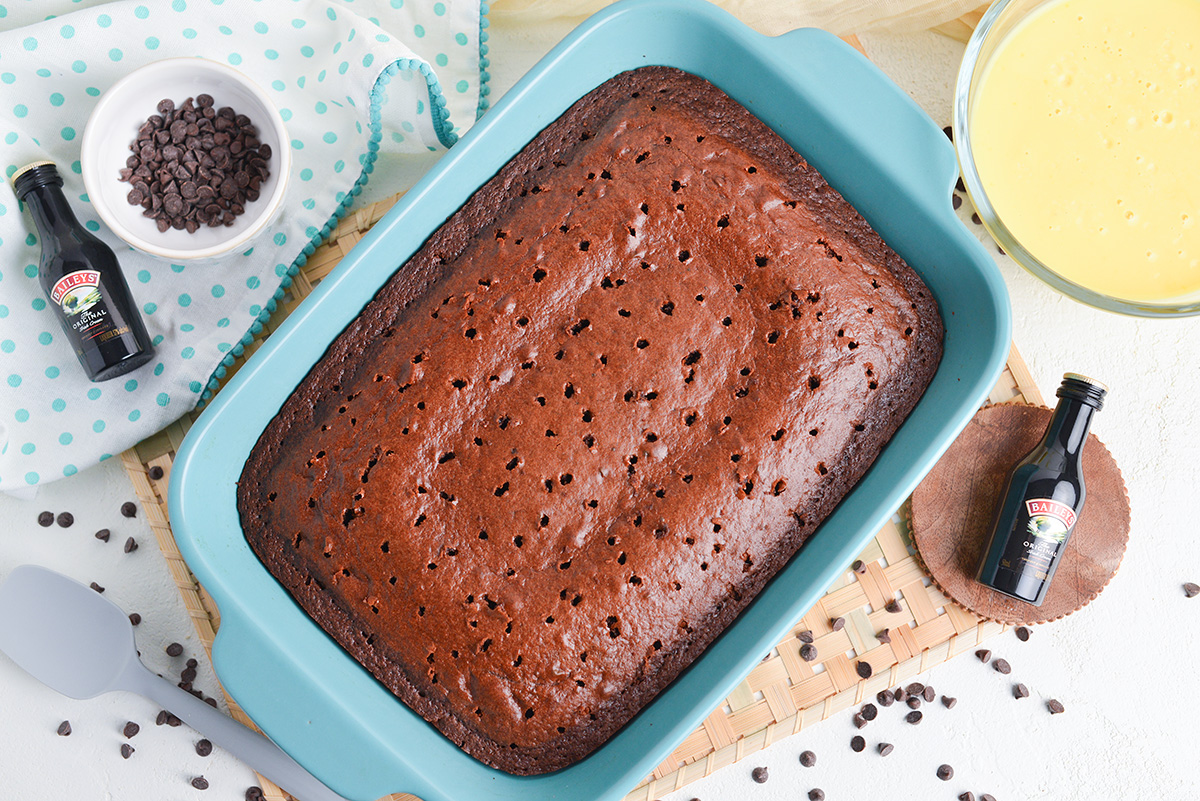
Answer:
[(916, 688), (858, 566), (959, 185), (203, 748), (863, 669), (884, 697), (975, 219), (913, 701), (899, 695), (211, 702), (816, 794), (46, 519), (1020, 691), (949, 132), (914, 717), (1055, 706), (838, 623), (96, 587), (191, 662), (130, 729), (987, 797), (945, 772), (65, 519), (200, 783), (174, 649), (135, 619), (949, 701), (929, 694), (967, 796), (983, 654), (885, 748), (64, 729), (129, 509), (857, 743), (1022, 634), (1002, 666), (957, 201), (859, 720), (131, 545), (103, 535), (869, 711), (808, 652), (173, 721), (805, 636), (884, 637), (254, 794), (188, 674), (808, 759), (892, 606), (759, 775), (1191, 589), (127, 750)]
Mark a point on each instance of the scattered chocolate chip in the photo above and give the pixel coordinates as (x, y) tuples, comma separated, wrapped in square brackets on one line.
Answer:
[(892, 606), (129, 509), (211, 702), (1191, 589), (64, 729), (96, 587), (759, 775), (913, 701), (808, 652), (869, 711), (949, 132), (885, 748), (155, 471), (188, 675), (884, 637), (135, 619), (46, 519), (254, 794), (858, 566), (805, 636), (945, 772), (929, 694), (987, 797), (200, 783), (174, 649), (863, 669), (191, 662), (131, 545), (857, 743), (884, 697), (957, 201), (1022, 634), (949, 701), (173, 721), (1002, 666), (859, 720), (899, 695), (838, 623), (975, 219), (967, 796), (203, 748), (816, 794), (983, 654), (130, 729), (127, 750), (162, 717), (65, 519), (916, 688), (1055, 706), (914, 717), (103, 534), (808, 759), (1020, 691), (959, 185)]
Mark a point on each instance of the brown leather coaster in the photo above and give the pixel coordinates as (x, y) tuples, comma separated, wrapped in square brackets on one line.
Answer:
[(952, 511)]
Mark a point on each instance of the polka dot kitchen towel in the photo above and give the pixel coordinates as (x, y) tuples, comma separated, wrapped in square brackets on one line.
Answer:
[(351, 78)]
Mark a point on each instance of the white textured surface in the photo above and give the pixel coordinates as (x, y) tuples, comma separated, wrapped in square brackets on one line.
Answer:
[(1125, 667)]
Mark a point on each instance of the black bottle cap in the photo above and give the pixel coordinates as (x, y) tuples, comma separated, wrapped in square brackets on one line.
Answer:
[(34, 176), (1081, 388)]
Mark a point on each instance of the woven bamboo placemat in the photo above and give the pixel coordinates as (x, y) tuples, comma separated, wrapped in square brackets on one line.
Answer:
[(784, 693)]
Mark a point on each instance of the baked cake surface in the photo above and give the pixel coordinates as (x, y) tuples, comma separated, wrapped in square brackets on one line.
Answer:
[(581, 428)]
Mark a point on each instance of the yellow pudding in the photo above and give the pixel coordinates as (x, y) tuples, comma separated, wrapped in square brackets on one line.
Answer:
[(1085, 131)]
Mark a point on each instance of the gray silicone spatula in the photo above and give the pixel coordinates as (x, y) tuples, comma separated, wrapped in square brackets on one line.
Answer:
[(76, 642)]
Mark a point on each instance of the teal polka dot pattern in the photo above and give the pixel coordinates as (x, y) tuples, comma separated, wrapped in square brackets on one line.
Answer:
[(350, 91)]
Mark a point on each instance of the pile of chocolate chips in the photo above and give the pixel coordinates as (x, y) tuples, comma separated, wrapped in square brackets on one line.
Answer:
[(195, 165)]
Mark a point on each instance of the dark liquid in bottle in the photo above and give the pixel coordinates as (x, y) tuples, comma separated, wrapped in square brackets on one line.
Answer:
[(83, 280)]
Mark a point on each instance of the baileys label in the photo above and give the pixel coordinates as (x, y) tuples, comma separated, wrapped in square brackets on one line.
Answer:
[(76, 291), (1049, 519)]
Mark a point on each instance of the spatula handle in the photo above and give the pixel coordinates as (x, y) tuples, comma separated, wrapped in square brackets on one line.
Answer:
[(249, 746)]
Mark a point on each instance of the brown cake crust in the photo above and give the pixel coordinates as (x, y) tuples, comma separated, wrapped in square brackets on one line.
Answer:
[(575, 434)]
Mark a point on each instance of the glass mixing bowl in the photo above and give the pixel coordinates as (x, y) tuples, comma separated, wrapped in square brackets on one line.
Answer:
[(993, 28)]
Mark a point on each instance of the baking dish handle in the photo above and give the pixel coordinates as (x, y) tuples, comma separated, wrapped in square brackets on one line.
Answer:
[(890, 129)]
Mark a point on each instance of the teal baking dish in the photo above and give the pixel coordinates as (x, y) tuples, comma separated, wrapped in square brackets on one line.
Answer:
[(870, 141)]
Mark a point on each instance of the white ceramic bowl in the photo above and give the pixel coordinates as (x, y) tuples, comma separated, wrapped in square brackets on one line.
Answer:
[(114, 124)]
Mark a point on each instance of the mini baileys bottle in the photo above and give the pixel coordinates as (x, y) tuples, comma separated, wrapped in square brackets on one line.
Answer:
[(1043, 499), (83, 280)]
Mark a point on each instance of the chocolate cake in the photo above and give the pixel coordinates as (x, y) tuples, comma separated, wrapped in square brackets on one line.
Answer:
[(584, 424)]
